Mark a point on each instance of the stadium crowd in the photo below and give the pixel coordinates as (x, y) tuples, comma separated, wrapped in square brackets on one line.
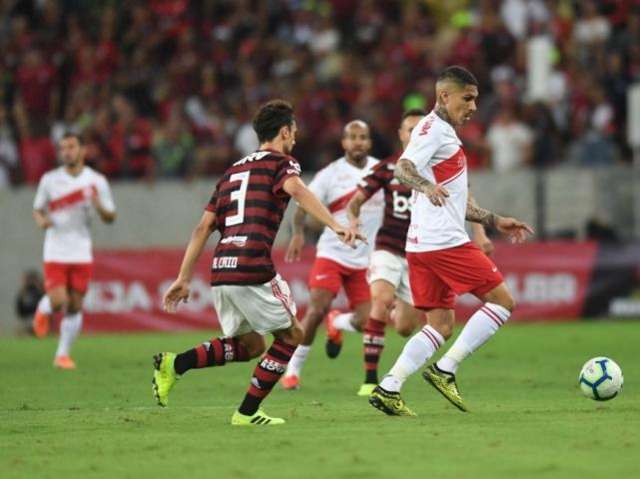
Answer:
[(166, 88)]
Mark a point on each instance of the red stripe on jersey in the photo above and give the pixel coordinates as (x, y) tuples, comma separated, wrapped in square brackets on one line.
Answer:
[(70, 199), (341, 203), (449, 169)]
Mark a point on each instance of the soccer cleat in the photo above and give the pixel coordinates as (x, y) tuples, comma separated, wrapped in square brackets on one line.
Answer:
[(389, 403), (445, 384), (64, 362), (334, 336), (41, 324), (290, 383), (258, 419), (366, 389), (164, 377)]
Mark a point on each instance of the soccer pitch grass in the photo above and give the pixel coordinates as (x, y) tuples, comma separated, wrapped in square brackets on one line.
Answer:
[(527, 420)]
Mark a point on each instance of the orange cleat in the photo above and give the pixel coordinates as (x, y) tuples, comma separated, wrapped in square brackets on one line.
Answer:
[(64, 362), (41, 324), (290, 383), (334, 336)]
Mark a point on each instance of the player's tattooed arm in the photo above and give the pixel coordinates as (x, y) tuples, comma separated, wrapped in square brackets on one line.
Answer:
[(479, 215), (512, 228), (407, 174)]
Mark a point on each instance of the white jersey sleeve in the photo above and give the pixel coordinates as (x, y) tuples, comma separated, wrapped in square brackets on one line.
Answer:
[(319, 185), (104, 194), (424, 143), (42, 195)]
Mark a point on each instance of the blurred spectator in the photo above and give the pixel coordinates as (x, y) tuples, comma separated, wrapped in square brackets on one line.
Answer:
[(8, 151), (510, 142), (30, 292), (116, 72), (173, 147)]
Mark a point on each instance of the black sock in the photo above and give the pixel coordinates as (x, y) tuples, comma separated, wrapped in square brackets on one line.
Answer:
[(185, 361), (371, 377)]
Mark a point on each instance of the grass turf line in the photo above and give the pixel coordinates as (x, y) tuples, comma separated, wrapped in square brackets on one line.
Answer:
[(528, 418)]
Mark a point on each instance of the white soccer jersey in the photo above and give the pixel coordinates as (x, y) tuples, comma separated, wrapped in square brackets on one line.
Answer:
[(67, 200), (335, 185), (436, 151)]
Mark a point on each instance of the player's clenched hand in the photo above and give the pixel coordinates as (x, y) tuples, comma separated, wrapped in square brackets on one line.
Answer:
[(436, 194), (177, 292), (294, 250), (350, 235), (515, 230)]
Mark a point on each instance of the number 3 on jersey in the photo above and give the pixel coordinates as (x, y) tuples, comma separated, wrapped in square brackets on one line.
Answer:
[(238, 195)]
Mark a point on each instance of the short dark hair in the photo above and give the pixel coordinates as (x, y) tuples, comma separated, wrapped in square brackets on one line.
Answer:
[(70, 134), (413, 112), (458, 74), (272, 116)]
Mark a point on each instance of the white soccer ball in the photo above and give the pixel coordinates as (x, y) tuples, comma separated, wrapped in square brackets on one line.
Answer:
[(600, 379)]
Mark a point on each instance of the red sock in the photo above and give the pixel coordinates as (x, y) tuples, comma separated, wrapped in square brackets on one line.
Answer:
[(216, 352), (373, 341), (267, 373)]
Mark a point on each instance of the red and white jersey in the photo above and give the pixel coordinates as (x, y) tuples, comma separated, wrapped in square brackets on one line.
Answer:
[(67, 200), (334, 185), (436, 151)]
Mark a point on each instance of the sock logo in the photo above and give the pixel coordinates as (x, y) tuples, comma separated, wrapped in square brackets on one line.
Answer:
[(228, 352), (271, 365)]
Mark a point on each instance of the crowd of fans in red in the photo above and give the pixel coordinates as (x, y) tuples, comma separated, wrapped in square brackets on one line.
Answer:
[(166, 88)]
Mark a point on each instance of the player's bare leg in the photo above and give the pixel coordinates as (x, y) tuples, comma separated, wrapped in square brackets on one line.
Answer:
[(416, 352), (337, 323), (405, 318), (319, 304), (169, 367), (266, 375), (483, 324)]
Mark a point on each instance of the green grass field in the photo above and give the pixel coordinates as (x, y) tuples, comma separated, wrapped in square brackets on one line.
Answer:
[(528, 418)]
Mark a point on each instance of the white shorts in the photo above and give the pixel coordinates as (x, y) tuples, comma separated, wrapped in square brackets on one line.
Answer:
[(393, 269), (262, 308)]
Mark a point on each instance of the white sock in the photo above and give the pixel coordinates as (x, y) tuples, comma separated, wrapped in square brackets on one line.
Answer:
[(297, 360), (44, 305), (416, 352), (343, 322), (481, 326), (69, 331)]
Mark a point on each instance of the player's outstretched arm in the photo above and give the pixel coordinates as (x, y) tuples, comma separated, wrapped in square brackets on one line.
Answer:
[(407, 174), (108, 216), (480, 237), (42, 219), (514, 229), (353, 208), (295, 187), (296, 243), (179, 290)]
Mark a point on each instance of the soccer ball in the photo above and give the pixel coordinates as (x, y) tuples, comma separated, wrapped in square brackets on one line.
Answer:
[(600, 379)]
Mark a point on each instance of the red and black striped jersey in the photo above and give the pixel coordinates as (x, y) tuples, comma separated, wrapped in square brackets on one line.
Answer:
[(392, 235), (249, 203)]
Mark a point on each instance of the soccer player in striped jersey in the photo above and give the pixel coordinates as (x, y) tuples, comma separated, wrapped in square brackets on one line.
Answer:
[(251, 299), (443, 262), (337, 266), (64, 204), (388, 270)]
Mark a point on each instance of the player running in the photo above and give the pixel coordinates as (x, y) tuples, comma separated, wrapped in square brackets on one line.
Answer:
[(388, 269), (443, 262), (63, 208), (251, 299), (336, 265)]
